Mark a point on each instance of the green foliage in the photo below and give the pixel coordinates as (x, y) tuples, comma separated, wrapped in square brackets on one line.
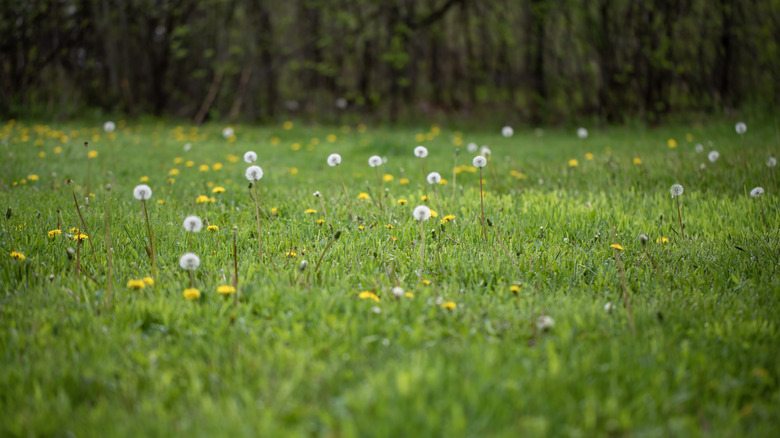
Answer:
[(301, 354)]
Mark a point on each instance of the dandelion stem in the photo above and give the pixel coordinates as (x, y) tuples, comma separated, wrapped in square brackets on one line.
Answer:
[(322, 204), (482, 205), (422, 248), (346, 195), (259, 238), (425, 186), (83, 223), (679, 216), (379, 187), (89, 185), (109, 255), (330, 243), (626, 298), (436, 192), (192, 278), (10, 230), (151, 240), (763, 215)]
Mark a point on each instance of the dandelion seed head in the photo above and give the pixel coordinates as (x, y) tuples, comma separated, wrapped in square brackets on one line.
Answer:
[(676, 190), (608, 307), (507, 131), (254, 173), (756, 192), (545, 323), (421, 213), (334, 160), (187, 147), (741, 128), (375, 161), (317, 194), (484, 150), (142, 192), (479, 161), (189, 261), (250, 157), (398, 292), (582, 133), (109, 126), (433, 178), (472, 147), (192, 224), (228, 132), (699, 148), (421, 151), (771, 162), (713, 156)]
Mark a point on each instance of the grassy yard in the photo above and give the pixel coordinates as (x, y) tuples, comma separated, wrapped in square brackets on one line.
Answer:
[(562, 322)]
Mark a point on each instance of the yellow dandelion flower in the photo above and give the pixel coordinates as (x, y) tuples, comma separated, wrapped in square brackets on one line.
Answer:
[(226, 289), (361, 227), (662, 240), (216, 166), (136, 284), (41, 154), (212, 228), (514, 288), (160, 201), (434, 214), (291, 254), (366, 295), (419, 138), (232, 158), (637, 160), (173, 172), (17, 255), (189, 163), (573, 163), (32, 177), (54, 233), (320, 221), (310, 211), (149, 281), (589, 156), (202, 199), (203, 168), (424, 198), (672, 143), (402, 201), (389, 227), (75, 230), (442, 181), (212, 200), (387, 177), (92, 154), (409, 295), (275, 140), (178, 160), (295, 146), (363, 196), (403, 181), (293, 171), (80, 237), (426, 282), (331, 138), (288, 125), (58, 150), (447, 218), (688, 137), (218, 189), (144, 179), (449, 305), (616, 246), (274, 211), (361, 128), (191, 294)]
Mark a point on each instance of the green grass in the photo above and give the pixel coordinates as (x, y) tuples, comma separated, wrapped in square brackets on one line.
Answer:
[(308, 357)]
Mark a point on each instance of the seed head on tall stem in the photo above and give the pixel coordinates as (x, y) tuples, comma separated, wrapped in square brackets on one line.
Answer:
[(422, 152), (479, 162), (676, 191), (254, 174), (434, 178), (422, 213), (142, 192), (333, 161), (758, 193), (375, 161)]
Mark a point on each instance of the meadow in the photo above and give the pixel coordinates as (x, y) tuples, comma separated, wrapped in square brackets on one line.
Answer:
[(581, 309)]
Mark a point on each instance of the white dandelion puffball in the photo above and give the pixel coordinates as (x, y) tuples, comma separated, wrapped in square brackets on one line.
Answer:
[(192, 224), (142, 192), (472, 147), (699, 148), (545, 323), (228, 132), (676, 190), (375, 161), (341, 103), (421, 213), (317, 194), (250, 157), (741, 128), (608, 307), (254, 173), (479, 161), (756, 192), (189, 261), (334, 160), (485, 151), (582, 133), (771, 162), (187, 147), (507, 131), (433, 178), (109, 126), (713, 156), (398, 292), (421, 151)]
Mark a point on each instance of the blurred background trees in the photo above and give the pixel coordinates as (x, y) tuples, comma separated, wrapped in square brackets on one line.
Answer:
[(522, 61)]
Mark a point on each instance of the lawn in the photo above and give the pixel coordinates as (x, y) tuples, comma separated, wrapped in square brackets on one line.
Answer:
[(580, 309)]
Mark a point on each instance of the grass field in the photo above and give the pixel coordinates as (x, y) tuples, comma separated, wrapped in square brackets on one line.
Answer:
[(561, 323)]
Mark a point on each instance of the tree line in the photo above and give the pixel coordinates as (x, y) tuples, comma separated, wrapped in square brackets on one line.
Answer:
[(527, 61)]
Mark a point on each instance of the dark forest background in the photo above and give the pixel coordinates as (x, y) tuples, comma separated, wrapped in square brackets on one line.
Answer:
[(526, 61)]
